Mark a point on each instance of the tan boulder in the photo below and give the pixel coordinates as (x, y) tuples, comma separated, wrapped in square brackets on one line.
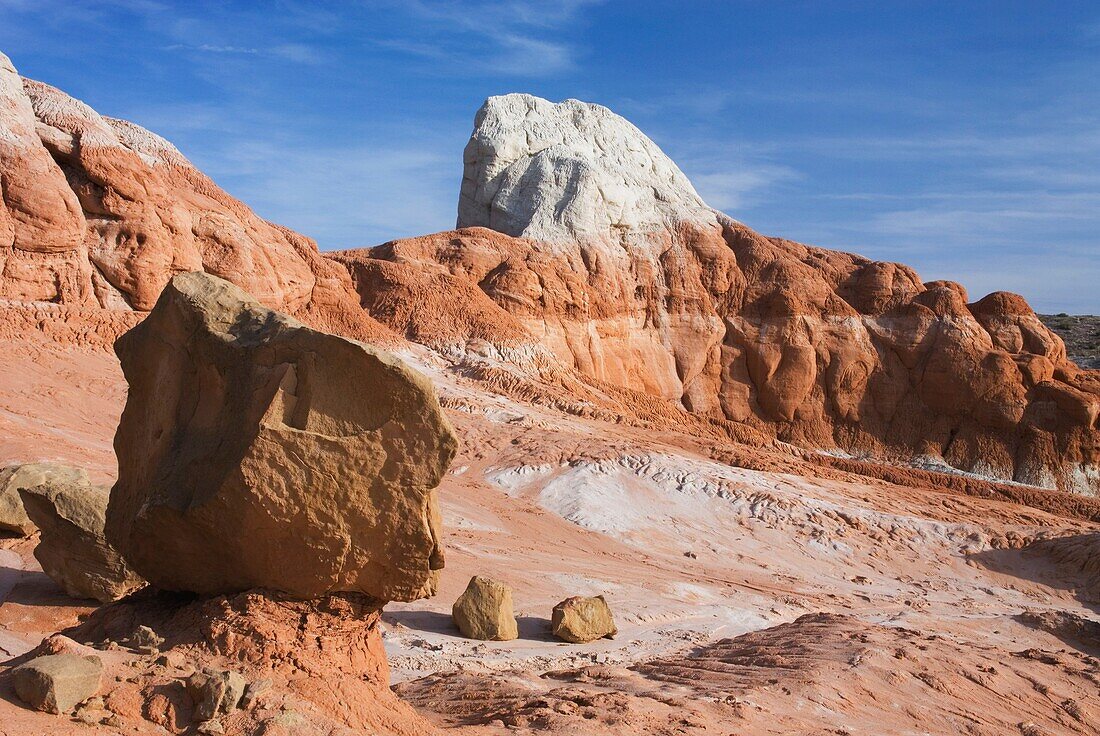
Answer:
[(56, 683), (484, 611), (254, 452), (13, 517), (73, 550), (582, 619)]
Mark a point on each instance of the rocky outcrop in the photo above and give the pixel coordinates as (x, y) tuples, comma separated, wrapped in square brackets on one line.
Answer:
[(312, 667), (611, 263), (256, 452), (99, 212), (73, 550), (581, 619), (484, 611), (56, 683), (568, 172), (13, 516)]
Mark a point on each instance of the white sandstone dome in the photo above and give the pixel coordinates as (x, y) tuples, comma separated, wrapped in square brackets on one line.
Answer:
[(567, 171)]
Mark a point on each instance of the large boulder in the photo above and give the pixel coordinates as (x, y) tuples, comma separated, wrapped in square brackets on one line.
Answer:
[(56, 683), (73, 550), (484, 611), (13, 517), (581, 619), (254, 452)]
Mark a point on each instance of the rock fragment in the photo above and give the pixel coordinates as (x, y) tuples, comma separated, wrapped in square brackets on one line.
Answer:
[(73, 550), (581, 619), (215, 692), (146, 641), (484, 611), (13, 517), (56, 683)]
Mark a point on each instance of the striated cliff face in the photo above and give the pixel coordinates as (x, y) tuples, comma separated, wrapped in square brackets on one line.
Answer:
[(623, 273), (97, 212)]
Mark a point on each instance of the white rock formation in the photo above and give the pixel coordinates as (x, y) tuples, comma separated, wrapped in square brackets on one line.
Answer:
[(570, 171)]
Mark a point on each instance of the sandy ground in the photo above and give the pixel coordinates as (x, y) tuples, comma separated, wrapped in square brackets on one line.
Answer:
[(747, 601)]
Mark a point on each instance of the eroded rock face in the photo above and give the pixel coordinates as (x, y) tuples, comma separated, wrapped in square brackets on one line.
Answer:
[(99, 212), (256, 452), (73, 550), (484, 611), (581, 619), (821, 348)]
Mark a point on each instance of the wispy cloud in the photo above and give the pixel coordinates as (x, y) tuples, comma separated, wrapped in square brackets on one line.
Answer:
[(207, 48), (741, 185), (294, 52), (511, 37)]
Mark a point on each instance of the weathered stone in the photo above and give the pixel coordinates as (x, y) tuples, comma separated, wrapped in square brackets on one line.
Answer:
[(56, 683), (256, 452), (13, 517), (214, 692), (484, 611), (146, 641), (253, 691), (583, 619), (73, 550)]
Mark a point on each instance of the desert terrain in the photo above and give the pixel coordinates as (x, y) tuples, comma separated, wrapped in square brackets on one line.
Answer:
[(819, 494)]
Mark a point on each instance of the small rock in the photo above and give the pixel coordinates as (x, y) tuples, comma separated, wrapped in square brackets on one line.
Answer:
[(113, 721), (254, 690), (146, 641), (214, 691), (211, 727), (484, 611), (579, 620), (57, 682)]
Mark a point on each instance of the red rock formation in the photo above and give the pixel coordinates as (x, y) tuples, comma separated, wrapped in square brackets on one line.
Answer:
[(100, 212), (822, 348)]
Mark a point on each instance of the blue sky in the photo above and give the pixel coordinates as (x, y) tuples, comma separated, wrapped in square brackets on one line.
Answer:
[(962, 138)]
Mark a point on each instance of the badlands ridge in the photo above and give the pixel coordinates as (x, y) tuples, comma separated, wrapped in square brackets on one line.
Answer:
[(820, 494)]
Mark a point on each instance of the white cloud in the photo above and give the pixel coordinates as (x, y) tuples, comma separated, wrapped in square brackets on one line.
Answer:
[(513, 38), (741, 186)]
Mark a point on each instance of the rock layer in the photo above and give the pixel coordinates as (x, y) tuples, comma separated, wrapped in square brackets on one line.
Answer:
[(256, 452)]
